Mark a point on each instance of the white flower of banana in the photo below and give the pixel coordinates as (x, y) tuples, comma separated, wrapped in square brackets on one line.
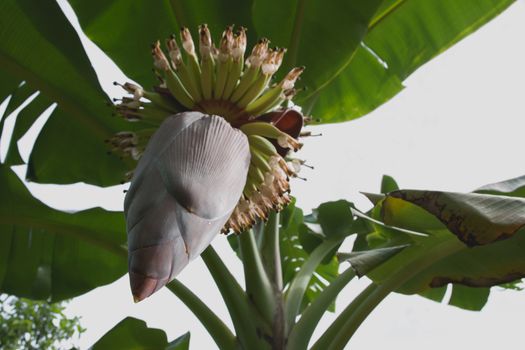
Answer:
[(212, 143)]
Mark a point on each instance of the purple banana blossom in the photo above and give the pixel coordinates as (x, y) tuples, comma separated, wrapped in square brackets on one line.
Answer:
[(184, 189)]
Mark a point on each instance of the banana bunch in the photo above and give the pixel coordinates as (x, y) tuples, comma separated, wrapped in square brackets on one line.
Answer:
[(188, 132), (221, 81)]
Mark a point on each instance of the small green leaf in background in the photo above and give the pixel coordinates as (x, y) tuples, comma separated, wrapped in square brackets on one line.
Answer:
[(335, 218), (365, 261), (491, 227), (388, 184), (181, 343), (513, 188), (293, 256), (134, 334)]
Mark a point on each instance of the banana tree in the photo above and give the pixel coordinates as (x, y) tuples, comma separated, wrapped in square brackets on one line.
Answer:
[(207, 140)]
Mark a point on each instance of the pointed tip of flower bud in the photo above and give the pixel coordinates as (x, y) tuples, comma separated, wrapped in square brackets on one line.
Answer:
[(143, 287)]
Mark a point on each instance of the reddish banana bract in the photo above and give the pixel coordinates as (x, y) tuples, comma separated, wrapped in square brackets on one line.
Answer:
[(176, 205)]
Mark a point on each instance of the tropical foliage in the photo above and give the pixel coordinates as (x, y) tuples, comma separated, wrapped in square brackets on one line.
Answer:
[(29, 324), (357, 54)]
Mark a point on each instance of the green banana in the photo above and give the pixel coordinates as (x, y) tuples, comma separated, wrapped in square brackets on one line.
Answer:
[(262, 145), (269, 130), (259, 160), (188, 81), (224, 62), (270, 65), (238, 49), (251, 180), (262, 129), (245, 81), (249, 189), (256, 175), (270, 99), (208, 67), (254, 63), (152, 112), (176, 87), (181, 69), (233, 77), (222, 74), (255, 89), (162, 101), (192, 66), (207, 62)]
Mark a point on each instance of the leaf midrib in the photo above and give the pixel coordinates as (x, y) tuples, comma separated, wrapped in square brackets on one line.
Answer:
[(293, 46)]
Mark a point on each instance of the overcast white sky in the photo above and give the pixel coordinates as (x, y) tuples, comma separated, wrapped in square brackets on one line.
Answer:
[(458, 125)]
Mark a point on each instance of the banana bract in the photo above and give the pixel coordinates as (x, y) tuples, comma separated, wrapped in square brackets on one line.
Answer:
[(213, 141), (175, 205)]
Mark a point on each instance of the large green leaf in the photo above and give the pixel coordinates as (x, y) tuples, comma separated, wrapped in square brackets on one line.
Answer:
[(319, 35), (24, 120), (18, 96), (406, 34), (134, 334), (356, 80), (73, 140), (346, 78), (402, 36), (46, 253), (486, 232)]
